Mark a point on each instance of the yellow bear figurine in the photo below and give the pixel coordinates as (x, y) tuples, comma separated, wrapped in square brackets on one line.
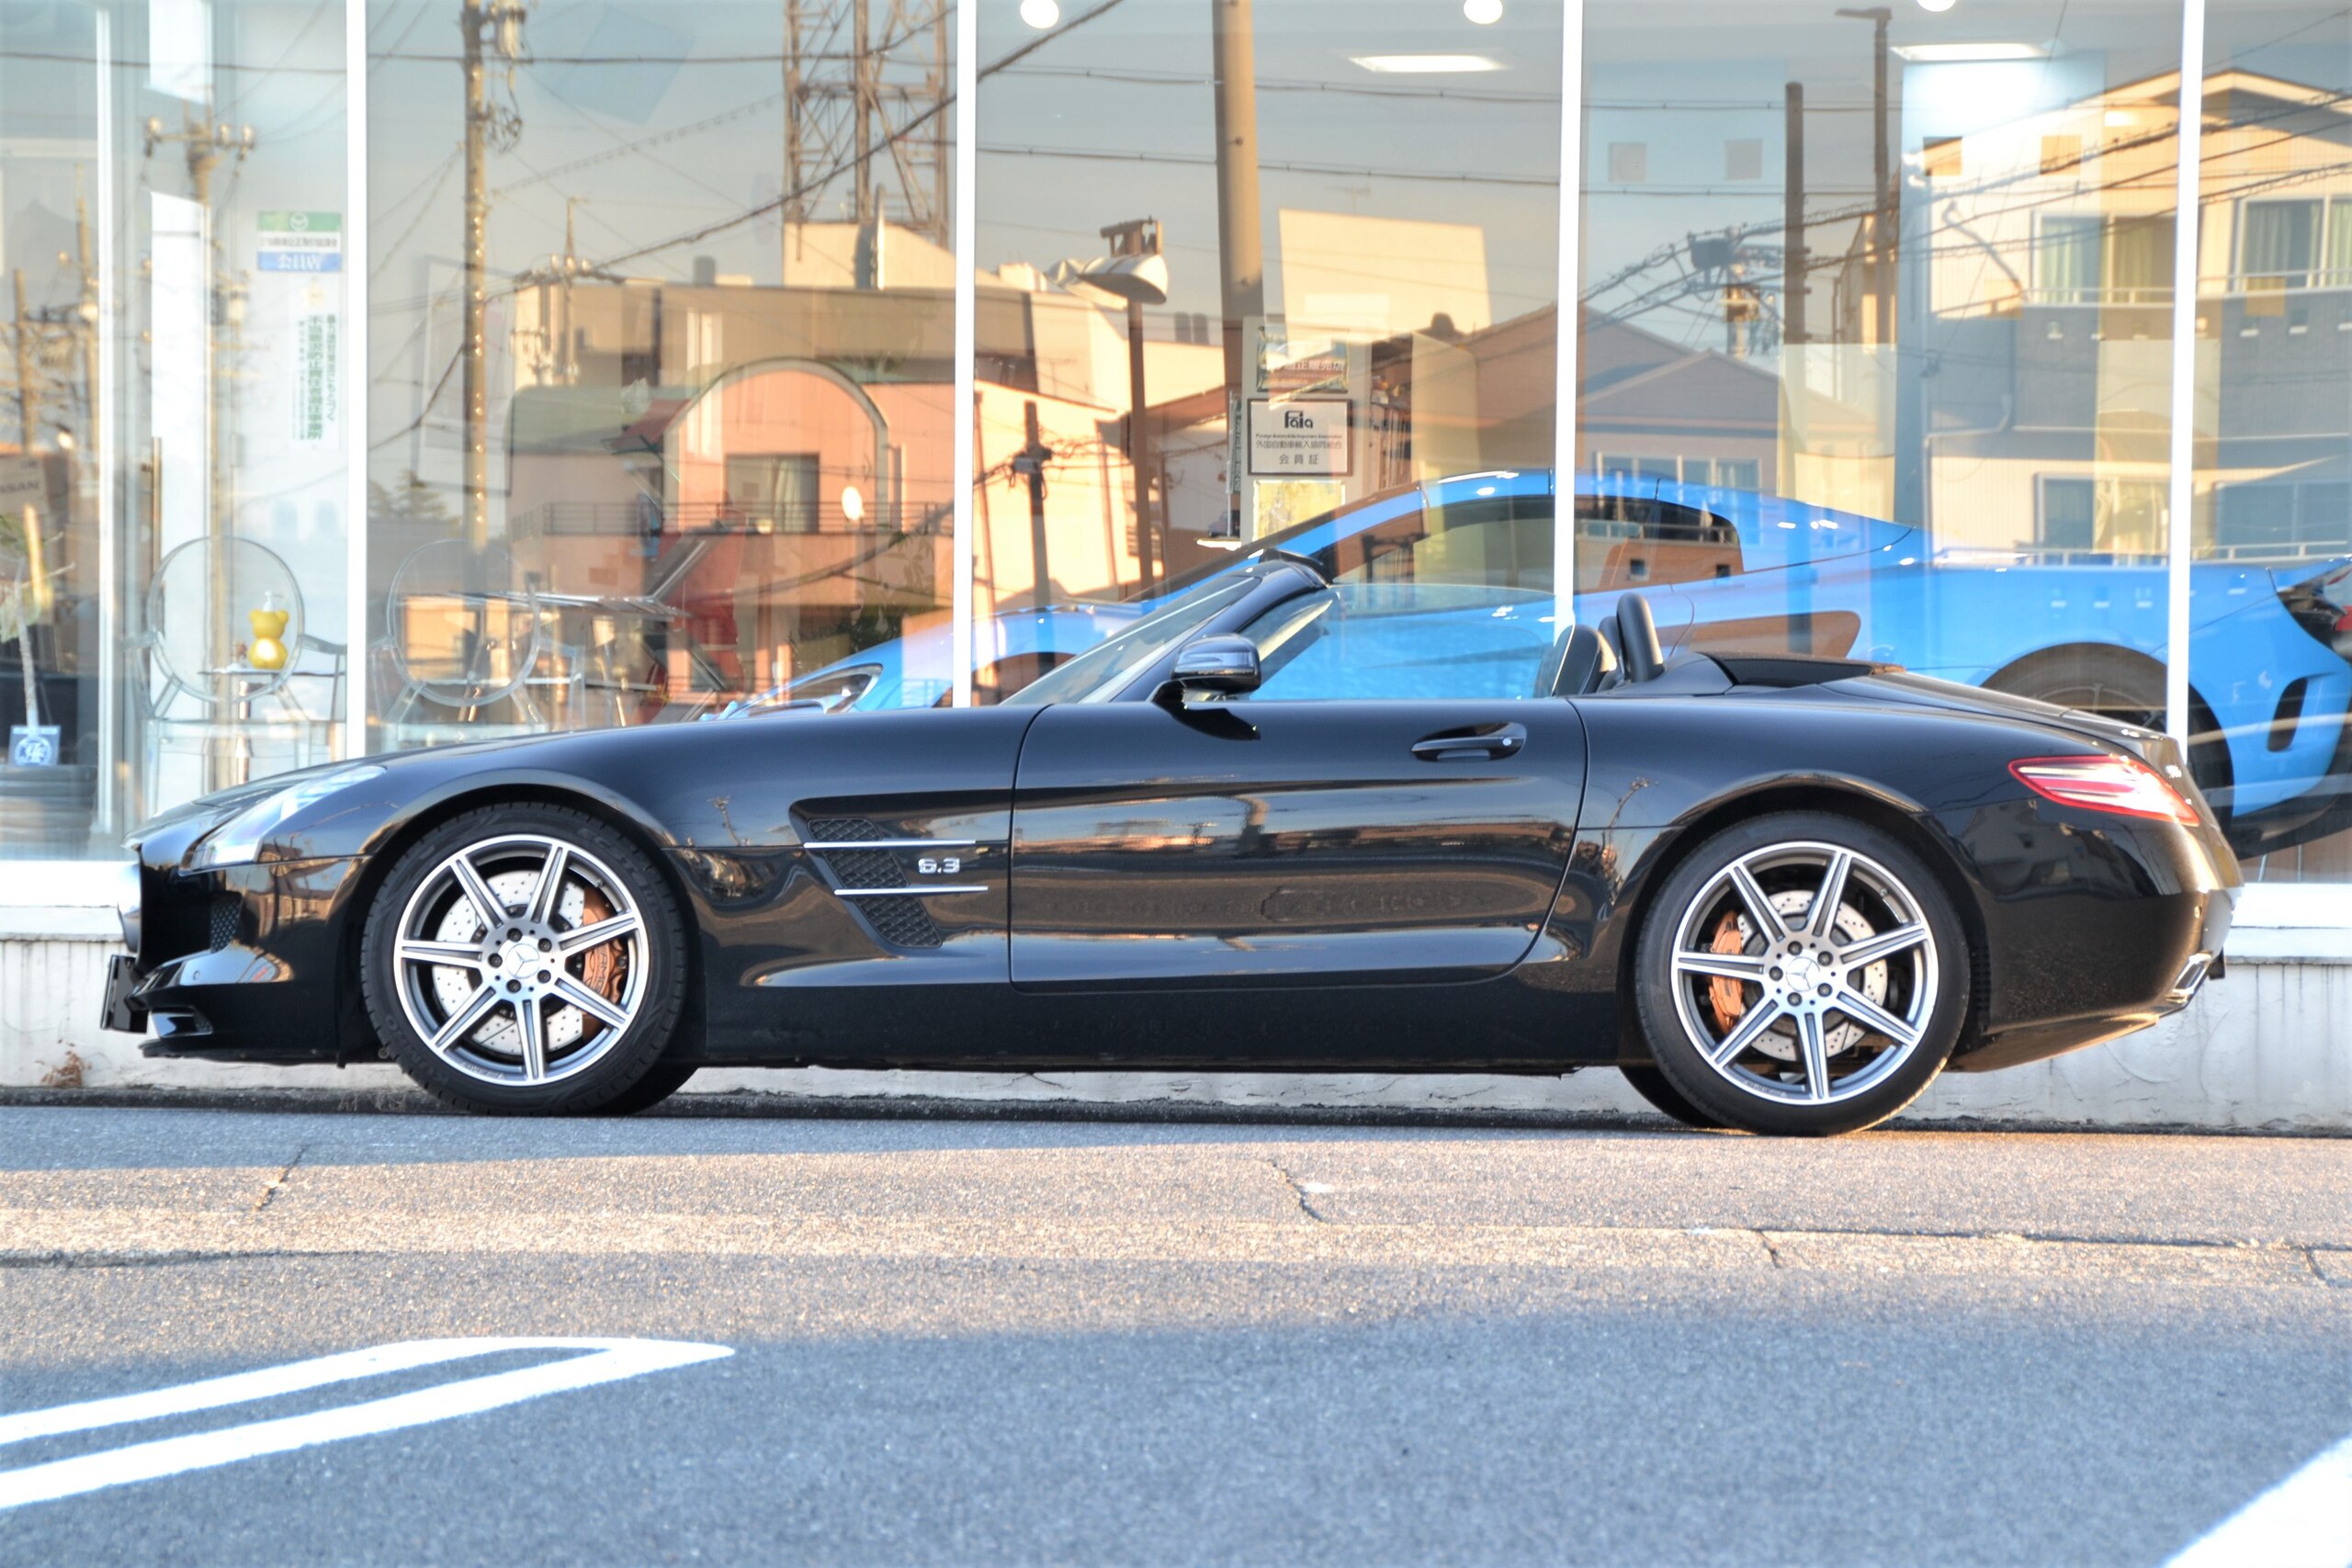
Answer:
[(267, 652)]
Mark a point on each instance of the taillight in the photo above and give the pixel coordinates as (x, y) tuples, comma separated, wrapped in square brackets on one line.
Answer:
[(2120, 784)]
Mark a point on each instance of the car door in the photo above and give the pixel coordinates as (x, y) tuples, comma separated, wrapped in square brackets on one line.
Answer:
[(1395, 803)]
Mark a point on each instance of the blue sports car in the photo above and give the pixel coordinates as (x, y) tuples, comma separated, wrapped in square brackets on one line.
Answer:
[(1728, 570)]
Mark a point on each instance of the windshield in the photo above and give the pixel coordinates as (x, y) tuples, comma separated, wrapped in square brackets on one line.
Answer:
[(1104, 670)]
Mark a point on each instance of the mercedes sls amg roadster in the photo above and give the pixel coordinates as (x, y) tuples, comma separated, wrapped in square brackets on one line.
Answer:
[(1264, 828)]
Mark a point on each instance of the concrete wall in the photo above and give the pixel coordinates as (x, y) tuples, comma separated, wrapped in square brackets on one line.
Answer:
[(2268, 1047)]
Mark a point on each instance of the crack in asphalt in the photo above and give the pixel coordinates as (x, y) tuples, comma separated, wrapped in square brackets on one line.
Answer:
[(277, 1184), (116, 1259), (1298, 1191)]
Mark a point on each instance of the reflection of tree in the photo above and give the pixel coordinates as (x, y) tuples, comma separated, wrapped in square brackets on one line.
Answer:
[(411, 500)]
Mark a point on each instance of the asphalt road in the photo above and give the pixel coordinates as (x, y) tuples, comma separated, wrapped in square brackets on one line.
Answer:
[(973, 1341)]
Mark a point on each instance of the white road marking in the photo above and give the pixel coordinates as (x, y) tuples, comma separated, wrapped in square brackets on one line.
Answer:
[(611, 1360), (2305, 1521)]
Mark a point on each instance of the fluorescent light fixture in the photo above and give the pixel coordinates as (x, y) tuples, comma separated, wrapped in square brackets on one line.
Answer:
[(1425, 65), (1969, 53)]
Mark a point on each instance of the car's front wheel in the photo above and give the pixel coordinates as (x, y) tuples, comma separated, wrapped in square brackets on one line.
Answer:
[(1801, 973), (527, 960)]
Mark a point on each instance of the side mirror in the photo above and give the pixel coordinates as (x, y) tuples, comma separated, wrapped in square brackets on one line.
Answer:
[(1214, 667)]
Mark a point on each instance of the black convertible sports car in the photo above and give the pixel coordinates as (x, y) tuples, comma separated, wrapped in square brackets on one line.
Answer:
[(1777, 893)]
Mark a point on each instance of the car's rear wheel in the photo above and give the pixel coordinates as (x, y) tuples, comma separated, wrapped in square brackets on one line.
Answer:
[(527, 960), (1801, 973)]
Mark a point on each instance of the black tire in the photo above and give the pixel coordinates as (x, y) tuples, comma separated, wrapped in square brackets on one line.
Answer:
[(1766, 1087), (589, 1081), (1652, 1086), (660, 1082)]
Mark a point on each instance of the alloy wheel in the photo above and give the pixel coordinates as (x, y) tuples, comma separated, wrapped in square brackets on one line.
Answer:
[(521, 960), (1805, 973)]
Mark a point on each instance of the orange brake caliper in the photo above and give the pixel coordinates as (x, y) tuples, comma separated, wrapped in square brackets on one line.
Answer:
[(1723, 993), (600, 970)]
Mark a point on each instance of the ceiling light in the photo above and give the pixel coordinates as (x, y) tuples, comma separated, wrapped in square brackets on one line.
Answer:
[(1486, 13), (1935, 5), (1969, 53), (1425, 65), (1040, 14)]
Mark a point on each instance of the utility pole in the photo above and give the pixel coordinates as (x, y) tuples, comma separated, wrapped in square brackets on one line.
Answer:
[(1241, 249), (1884, 221), (497, 26), (567, 362), (794, 213), (1795, 262), (1029, 464), (1138, 239)]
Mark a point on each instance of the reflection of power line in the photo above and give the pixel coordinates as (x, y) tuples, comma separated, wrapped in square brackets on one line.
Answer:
[(652, 139), (1447, 176), (1133, 76)]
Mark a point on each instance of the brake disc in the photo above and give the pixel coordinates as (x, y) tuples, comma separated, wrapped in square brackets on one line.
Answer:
[(600, 970), (1728, 999)]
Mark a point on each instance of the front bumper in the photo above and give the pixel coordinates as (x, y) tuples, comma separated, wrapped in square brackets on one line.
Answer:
[(121, 1012), (243, 963)]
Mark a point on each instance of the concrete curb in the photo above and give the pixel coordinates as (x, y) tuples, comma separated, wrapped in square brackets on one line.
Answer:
[(784, 1106)]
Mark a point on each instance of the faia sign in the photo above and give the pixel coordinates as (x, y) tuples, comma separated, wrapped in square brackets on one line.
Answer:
[(1301, 438), (301, 241)]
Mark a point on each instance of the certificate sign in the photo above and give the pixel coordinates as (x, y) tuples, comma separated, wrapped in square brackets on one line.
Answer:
[(299, 241), (1305, 438), (318, 411)]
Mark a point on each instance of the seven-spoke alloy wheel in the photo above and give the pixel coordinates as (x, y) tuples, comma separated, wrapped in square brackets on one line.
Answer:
[(527, 959), (1801, 972)]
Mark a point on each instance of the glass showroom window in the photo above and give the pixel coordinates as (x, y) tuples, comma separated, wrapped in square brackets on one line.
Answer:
[(2272, 516), (661, 359), (171, 540), (1938, 337), (1242, 267)]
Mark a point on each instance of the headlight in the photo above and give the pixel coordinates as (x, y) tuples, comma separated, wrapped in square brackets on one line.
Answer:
[(238, 840)]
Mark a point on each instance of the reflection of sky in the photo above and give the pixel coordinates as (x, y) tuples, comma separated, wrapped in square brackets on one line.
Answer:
[(1684, 77), (1138, 80), (1315, 108)]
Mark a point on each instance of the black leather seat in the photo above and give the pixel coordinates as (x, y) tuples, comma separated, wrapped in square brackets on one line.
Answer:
[(1580, 663)]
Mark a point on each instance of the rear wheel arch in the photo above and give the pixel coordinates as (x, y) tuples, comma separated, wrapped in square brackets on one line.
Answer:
[(1837, 801)]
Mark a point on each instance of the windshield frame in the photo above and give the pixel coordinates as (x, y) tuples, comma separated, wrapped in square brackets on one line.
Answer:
[(1113, 678)]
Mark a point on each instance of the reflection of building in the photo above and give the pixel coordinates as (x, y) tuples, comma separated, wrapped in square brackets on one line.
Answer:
[(793, 442), (2048, 303)]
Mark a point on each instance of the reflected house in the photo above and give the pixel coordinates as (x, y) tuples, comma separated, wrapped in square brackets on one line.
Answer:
[(2047, 320), (754, 480)]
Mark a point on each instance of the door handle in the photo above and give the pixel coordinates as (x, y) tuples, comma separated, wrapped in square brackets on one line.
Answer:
[(1486, 740)]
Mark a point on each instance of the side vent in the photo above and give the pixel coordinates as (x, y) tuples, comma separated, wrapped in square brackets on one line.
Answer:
[(901, 922)]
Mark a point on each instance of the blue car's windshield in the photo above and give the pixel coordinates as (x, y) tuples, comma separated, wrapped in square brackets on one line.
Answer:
[(1104, 670)]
